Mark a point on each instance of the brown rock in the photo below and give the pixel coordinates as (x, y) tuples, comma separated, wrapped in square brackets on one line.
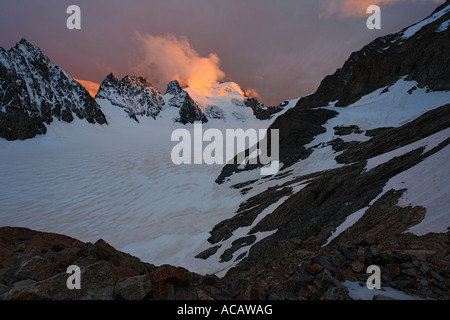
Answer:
[(172, 283), (393, 268), (133, 288), (203, 296), (96, 284), (348, 274), (38, 269), (134, 263), (3, 289), (314, 269), (121, 272), (68, 256), (441, 263), (38, 244), (361, 253), (319, 284), (60, 242), (410, 271), (4, 253), (103, 251), (420, 254), (240, 296), (357, 266), (313, 289), (305, 292)]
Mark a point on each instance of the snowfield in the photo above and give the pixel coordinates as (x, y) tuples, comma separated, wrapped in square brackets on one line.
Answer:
[(427, 182), (117, 182)]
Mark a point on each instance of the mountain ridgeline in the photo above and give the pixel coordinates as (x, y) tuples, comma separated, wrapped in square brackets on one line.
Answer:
[(423, 56), (34, 92), (363, 181), (381, 107), (138, 97)]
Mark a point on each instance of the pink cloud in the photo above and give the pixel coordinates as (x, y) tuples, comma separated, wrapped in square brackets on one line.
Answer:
[(167, 58)]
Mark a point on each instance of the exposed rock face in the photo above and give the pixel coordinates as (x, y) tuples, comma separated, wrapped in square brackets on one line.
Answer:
[(34, 264), (33, 267), (260, 111), (415, 265), (312, 214), (139, 98), (190, 112), (424, 57), (34, 92), (304, 222), (135, 95), (303, 126), (393, 138)]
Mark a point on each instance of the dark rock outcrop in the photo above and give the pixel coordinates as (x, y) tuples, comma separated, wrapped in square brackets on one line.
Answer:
[(190, 112), (302, 224), (423, 57), (34, 92), (260, 111), (135, 95), (33, 267)]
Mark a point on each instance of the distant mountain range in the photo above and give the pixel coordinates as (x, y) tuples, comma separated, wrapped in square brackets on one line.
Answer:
[(364, 177), (34, 92)]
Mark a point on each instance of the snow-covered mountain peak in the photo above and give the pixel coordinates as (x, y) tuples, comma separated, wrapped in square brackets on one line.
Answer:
[(438, 14), (35, 91), (217, 94), (174, 88), (24, 46), (135, 95)]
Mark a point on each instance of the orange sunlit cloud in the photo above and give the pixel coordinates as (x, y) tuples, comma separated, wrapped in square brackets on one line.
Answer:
[(90, 86), (252, 93), (353, 8), (170, 58)]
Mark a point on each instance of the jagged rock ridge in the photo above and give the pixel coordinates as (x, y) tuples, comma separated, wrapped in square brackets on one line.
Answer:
[(190, 112), (135, 95), (309, 217), (34, 91), (34, 266), (423, 57)]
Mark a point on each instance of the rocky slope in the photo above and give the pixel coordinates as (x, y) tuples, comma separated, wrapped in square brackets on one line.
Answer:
[(422, 56), (364, 181), (190, 112), (138, 98), (34, 92), (34, 264), (342, 148), (134, 94)]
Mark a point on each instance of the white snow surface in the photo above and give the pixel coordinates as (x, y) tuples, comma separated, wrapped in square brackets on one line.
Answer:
[(359, 291), (117, 182), (408, 33), (427, 186)]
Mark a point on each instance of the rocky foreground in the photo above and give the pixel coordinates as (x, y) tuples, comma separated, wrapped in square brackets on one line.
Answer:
[(33, 266)]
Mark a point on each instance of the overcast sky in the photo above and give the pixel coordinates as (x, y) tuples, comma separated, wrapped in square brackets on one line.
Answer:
[(281, 49)]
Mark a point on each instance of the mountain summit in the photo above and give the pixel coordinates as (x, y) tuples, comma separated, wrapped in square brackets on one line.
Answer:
[(135, 95), (34, 91)]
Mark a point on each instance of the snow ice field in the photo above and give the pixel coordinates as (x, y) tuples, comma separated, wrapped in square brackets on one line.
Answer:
[(117, 182)]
